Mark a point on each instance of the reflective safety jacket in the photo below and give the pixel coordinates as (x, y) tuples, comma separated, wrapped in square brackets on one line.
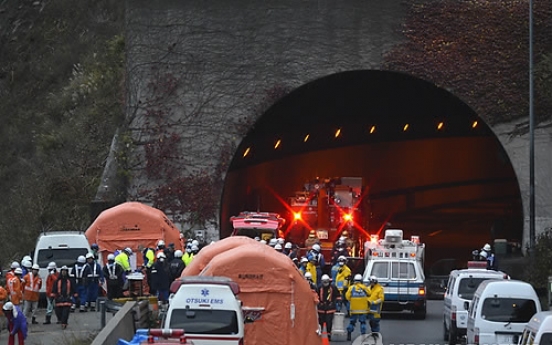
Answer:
[(15, 290), (358, 296), (342, 278), (123, 260), (31, 287), (78, 274), (187, 258), (52, 277), (376, 300), (149, 257), (313, 271)]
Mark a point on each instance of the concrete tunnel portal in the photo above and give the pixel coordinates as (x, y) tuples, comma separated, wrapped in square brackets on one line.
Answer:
[(431, 166)]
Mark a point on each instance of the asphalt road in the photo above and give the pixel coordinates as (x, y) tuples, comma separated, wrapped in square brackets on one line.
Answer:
[(81, 326), (403, 329)]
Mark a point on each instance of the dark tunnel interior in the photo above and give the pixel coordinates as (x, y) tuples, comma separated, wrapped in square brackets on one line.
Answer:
[(429, 164)]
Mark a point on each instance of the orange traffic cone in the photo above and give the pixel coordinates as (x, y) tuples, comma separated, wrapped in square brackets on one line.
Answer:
[(325, 340)]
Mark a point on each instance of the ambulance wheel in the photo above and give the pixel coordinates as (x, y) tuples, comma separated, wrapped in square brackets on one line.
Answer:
[(445, 332)]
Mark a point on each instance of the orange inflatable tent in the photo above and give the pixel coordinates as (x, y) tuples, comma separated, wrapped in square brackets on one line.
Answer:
[(273, 291), (207, 253), (129, 225)]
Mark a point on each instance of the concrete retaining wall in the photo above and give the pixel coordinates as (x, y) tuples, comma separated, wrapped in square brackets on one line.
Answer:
[(121, 326)]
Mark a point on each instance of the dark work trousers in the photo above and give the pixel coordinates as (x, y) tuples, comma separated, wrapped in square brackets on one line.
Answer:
[(62, 314), (327, 318)]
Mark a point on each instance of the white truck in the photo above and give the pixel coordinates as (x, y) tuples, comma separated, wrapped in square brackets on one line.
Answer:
[(399, 266)]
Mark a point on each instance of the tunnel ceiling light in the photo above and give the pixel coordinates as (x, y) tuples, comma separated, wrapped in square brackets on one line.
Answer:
[(338, 132), (475, 123), (405, 128), (246, 151), (440, 125), (372, 129), (277, 143), (306, 138)]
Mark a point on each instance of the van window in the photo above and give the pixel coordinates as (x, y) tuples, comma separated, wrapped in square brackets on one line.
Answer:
[(450, 286), (403, 270), (62, 256), (546, 339), (467, 287), (202, 321), (517, 310), (380, 270), (263, 234)]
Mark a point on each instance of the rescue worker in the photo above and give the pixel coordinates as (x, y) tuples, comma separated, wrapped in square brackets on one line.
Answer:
[(53, 275), (312, 269), (161, 278), (176, 266), (349, 243), (169, 252), (148, 257), (316, 255), (188, 256), (78, 275), (340, 249), (311, 240), (303, 265), (94, 277), (15, 288), (160, 247), (293, 253), (375, 302), (327, 297), (32, 283), (273, 242), (113, 274), (26, 267), (341, 282), (308, 277), (10, 274), (95, 251), (287, 248), (123, 259), (357, 295), (64, 292), (489, 257), (17, 323)]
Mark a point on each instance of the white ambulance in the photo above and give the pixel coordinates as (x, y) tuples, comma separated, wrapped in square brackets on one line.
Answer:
[(208, 309), (398, 265), (461, 287), (538, 330)]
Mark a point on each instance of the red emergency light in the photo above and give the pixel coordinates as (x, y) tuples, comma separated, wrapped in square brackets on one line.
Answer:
[(347, 217), (297, 215), (477, 264), (166, 333)]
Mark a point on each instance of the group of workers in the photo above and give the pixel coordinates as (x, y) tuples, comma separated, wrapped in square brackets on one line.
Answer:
[(362, 303)]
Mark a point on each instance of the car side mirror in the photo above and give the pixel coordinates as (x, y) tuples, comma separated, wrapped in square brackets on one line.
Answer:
[(466, 305)]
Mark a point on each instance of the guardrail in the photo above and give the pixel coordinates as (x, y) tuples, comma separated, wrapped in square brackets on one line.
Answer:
[(128, 318)]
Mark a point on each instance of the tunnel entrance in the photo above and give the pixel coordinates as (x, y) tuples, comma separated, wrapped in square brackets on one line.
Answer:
[(429, 164)]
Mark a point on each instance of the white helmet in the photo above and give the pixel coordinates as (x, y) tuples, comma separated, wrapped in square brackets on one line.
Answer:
[(272, 242), (304, 259), (14, 264), (18, 270), (26, 263), (316, 247), (178, 253), (342, 258), (110, 257), (36, 267), (81, 259), (27, 257), (281, 241), (194, 247), (52, 266), (373, 279), (358, 278), (325, 277), (90, 256), (288, 245), (487, 247), (160, 243), (257, 238), (128, 251), (195, 243), (308, 275), (262, 242), (161, 255), (278, 246)]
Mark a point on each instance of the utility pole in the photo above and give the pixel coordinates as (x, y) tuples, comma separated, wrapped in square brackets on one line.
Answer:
[(531, 138)]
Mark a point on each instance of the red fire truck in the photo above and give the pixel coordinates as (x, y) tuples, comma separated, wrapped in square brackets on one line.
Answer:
[(329, 208)]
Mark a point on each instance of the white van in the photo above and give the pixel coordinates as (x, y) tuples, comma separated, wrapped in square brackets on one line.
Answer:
[(208, 309), (460, 288), (61, 247), (539, 330), (499, 312)]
